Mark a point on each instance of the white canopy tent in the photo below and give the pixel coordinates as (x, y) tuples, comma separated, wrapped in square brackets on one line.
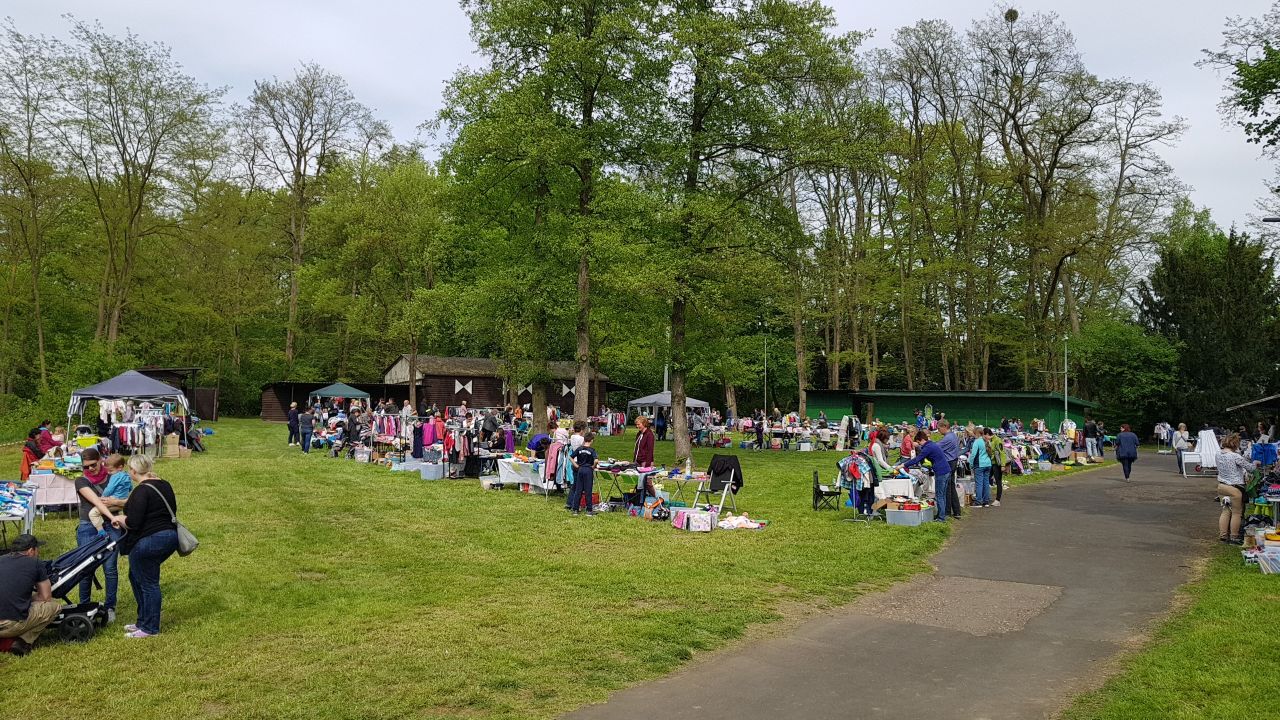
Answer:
[(650, 404)]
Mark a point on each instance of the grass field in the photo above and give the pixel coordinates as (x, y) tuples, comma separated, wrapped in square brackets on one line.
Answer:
[(329, 589), (1212, 661)]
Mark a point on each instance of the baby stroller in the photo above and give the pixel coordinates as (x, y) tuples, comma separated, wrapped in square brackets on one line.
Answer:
[(77, 622)]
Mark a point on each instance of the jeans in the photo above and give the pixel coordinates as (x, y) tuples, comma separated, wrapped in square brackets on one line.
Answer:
[(144, 575), (1091, 447), (582, 483), (940, 490), (85, 534), (293, 434), (306, 442), (982, 485)]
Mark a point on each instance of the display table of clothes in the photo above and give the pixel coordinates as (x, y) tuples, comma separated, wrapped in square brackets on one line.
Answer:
[(522, 474), (17, 508)]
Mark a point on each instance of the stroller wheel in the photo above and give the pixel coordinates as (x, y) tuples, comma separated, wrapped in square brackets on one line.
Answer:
[(76, 628)]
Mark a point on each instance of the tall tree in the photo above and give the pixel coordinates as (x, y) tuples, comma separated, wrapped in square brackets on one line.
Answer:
[(292, 129), (129, 117)]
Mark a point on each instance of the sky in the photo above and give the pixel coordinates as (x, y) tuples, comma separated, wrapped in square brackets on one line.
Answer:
[(397, 55)]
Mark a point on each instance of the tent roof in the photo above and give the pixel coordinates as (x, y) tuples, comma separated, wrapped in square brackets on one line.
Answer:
[(663, 399), (128, 385), (341, 390), (1267, 402)]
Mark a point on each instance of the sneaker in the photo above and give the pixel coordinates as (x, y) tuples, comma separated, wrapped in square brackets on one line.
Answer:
[(111, 615), (575, 512), (590, 514), (139, 634), (19, 648), (995, 503), (130, 628), (1236, 541)]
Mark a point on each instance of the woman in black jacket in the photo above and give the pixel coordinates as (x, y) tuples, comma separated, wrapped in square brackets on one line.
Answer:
[(149, 515)]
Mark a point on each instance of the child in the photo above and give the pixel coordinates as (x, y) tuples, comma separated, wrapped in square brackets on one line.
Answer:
[(118, 486), (584, 464), (579, 433)]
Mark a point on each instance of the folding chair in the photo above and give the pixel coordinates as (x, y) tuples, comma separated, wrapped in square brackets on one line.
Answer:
[(825, 496), (724, 477)]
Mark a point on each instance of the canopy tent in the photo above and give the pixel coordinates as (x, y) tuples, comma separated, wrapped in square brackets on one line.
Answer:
[(340, 390), (652, 403), (1269, 402), (130, 385)]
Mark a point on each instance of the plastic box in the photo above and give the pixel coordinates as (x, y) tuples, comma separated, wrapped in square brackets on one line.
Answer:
[(909, 518), (432, 471)]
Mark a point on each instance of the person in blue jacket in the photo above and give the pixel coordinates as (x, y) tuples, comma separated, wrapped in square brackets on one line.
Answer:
[(1126, 449), (931, 451), (980, 460)]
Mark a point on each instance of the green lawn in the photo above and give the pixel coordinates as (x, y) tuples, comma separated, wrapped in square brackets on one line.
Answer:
[(328, 589), (1212, 661)]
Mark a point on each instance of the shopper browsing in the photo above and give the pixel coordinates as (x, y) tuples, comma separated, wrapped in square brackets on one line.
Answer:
[(927, 449), (584, 468), (1233, 469)]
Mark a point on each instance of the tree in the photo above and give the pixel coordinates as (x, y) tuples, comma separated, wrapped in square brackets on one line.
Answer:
[(128, 119), (292, 129), (1216, 297), (1128, 371), (1250, 52), (34, 196)]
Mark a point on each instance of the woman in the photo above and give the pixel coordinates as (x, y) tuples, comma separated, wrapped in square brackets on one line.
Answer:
[(1181, 442), (30, 454), (1126, 448), (929, 450), (89, 489), (1233, 469), (999, 459), (907, 450), (149, 517), (644, 443), (294, 439), (980, 460), (879, 455)]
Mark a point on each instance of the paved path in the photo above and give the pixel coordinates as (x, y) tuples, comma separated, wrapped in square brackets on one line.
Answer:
[(1028, 604)]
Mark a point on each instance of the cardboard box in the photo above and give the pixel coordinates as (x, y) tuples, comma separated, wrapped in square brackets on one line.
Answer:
[(1057, 468), (702, 521)]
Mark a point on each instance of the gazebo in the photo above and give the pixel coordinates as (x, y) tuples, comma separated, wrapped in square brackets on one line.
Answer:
[(650, 404), (340, 390), (129, 385)]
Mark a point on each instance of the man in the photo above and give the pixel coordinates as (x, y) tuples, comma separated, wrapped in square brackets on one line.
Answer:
[(1090, 436), (949, 444), (26, 600), (293, 424), (489, 428)]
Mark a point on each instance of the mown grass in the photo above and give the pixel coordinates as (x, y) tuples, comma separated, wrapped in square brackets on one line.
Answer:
[(329, 589), (1213, 660)]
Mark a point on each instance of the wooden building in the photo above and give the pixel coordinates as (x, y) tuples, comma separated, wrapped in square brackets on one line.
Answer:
[(447, 381)]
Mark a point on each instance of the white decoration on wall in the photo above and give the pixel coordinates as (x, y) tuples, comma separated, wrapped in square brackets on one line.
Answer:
[(565, 389), (459, 387), (527, 389)]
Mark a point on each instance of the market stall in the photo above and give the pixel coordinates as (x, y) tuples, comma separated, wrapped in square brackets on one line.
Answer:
[(129, 428), (651, 404)]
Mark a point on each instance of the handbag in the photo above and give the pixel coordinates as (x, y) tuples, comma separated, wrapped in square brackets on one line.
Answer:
[(187, 542)]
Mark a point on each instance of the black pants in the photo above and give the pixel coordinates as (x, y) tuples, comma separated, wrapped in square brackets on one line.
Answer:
[(953, 498), (662, 432), (293, 435), (582, 488), (1126, 464), (997, 476)]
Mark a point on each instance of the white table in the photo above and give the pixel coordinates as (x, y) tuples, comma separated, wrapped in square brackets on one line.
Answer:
[(515, 472)]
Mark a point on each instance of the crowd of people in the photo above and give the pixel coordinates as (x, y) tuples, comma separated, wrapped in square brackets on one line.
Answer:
[(118, 497)]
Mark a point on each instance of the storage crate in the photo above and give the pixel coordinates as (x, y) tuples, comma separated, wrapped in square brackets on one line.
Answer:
[(909, 518)]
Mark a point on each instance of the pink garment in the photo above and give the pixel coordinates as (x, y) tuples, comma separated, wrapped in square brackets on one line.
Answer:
[(428, 434)]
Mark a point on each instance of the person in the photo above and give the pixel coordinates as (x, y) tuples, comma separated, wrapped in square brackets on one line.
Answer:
[(1090, 436), (89, 488), (980, 459), (579, 435), (1181, 442), (26, 596), (1260, 433), (660, 424), (949, 443), (929, 450), (644, 443), (152, 537), (1102, 439), (45, 440), (118, 487), (879, 455), (697, 427), (306, 426), (489, 428), (907, 449), (30, 454), (293, 424), (1233, 471), (584, 468), (1126, 448), (999, 459)]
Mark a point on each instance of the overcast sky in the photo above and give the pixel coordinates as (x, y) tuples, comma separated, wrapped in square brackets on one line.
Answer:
[(396, 54)]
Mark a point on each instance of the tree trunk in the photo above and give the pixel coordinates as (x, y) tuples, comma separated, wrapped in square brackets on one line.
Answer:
[(296, 225), (582, 378), (678, 422), (731, 400), (802, 362), (39, 319), (833, 357), (413, 374), (539, 408)]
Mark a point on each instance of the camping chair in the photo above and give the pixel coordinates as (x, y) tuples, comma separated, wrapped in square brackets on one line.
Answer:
[(825, 496), (724, 477)]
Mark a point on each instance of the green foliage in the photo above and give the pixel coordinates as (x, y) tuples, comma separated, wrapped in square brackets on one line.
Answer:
[(1131, 372), (1215, 296)]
